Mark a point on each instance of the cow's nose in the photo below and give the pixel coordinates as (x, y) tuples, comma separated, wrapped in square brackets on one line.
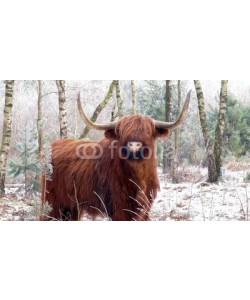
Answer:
[(134, 146)]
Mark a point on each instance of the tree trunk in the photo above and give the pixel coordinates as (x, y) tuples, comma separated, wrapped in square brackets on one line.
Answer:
[(133, 97), (212, 172), (220, 126), (5, 145), (113, 114), (99, 108), (25, 162), (39, 120), (62, 108), (119, 99), (168, 149), (119, 113), (75, 120), (176, 138)]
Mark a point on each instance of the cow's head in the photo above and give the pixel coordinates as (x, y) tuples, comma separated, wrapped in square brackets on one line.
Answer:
[(136, 134)]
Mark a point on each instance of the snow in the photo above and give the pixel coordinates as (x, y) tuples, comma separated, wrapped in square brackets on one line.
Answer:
[(16, 207), (196, 202), (193, 200), (227, 200)]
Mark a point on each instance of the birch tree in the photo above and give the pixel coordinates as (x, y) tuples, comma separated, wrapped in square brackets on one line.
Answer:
[(5, 144), (220, 126), (133, 97), (212, 173), (62, 108), (167, 149), (39, 120), (213, 151), (99, 108), (119, 99), (176, 138), (119, 103)]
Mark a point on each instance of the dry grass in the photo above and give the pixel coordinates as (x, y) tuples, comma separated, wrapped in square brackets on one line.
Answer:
[(237, 166)]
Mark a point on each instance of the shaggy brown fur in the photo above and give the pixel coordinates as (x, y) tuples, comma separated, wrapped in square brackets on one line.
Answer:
[(120, 188)]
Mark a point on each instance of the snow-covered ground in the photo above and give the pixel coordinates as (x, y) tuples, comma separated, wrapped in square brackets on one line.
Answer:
[(202, 202), (16, 207), (194, 200)]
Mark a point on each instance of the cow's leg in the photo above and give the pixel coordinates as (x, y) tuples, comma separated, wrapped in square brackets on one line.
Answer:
[(122, 215), (69, 214)]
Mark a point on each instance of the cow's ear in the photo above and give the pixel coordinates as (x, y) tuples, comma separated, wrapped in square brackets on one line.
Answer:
[(162, 133), (110, 134)]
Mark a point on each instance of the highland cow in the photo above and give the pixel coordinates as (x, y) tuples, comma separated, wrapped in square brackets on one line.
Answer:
[(115, 177)]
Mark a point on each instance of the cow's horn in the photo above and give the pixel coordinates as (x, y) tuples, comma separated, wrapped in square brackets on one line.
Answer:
[(179, 121), (89, 123)]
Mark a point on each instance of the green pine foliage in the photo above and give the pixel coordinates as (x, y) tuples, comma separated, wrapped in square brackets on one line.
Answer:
[(25, 163), (247, 178), (151, 99), (237, 130), (236, 139)]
